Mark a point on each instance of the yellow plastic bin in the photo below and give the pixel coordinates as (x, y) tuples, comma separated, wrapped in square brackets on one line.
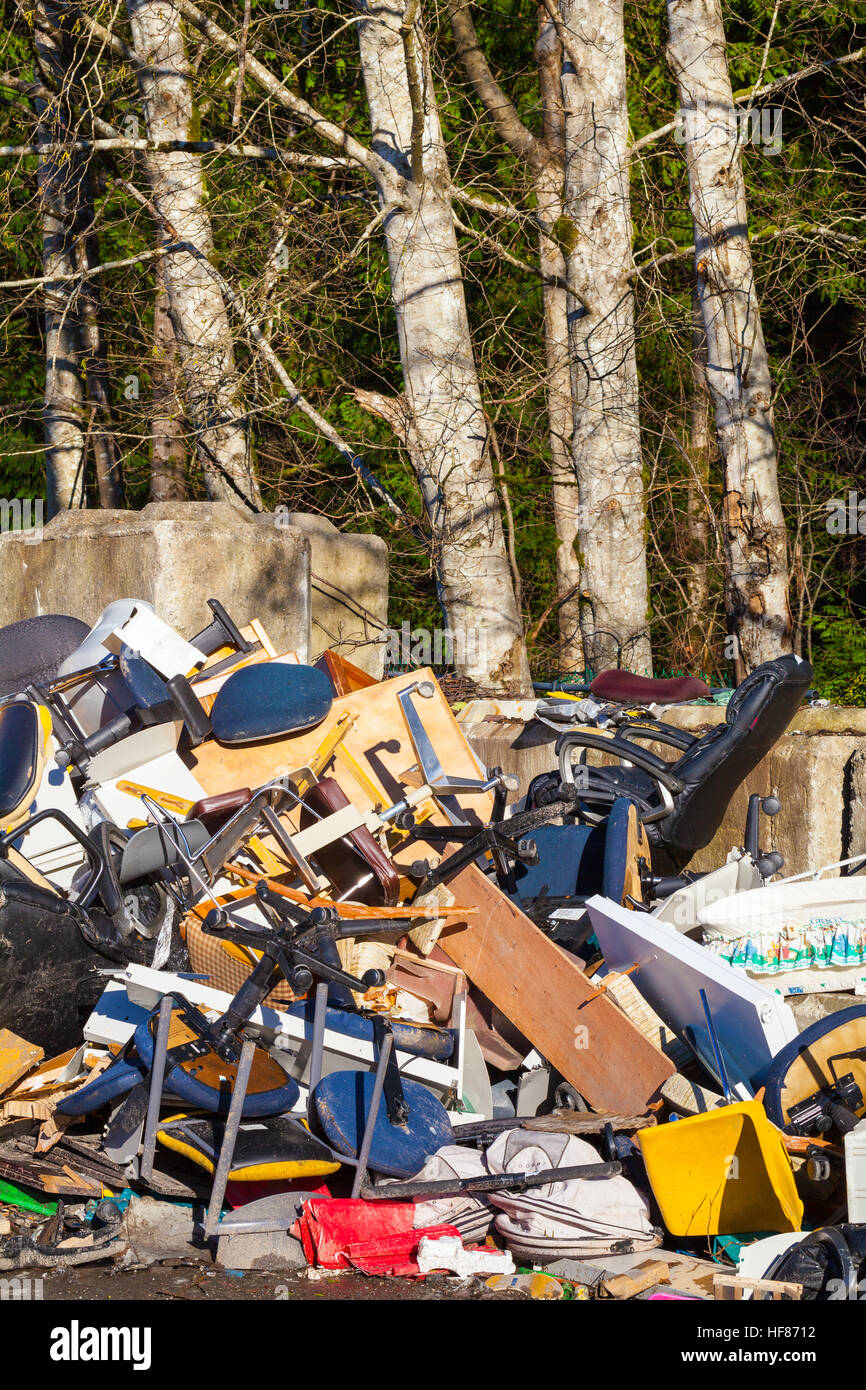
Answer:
[(722, 1173)]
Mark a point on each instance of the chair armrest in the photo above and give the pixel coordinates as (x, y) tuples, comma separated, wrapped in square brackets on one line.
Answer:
[(656, 732), (656, 767)]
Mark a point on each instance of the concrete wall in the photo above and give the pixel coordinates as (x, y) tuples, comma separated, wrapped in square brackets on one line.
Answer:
[(174, 554), (311, 585), (817, 770), (349, 590)]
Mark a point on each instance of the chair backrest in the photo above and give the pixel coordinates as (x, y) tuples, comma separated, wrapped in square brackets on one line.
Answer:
[(758, 713)]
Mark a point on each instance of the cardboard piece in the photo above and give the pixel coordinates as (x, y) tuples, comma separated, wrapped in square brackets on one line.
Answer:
[(542, 990)]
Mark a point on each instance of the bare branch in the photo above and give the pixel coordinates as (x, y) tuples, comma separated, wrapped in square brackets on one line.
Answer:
[(242, 64), (305, 113), (122, 142), (751, 94), (296, 400), (416, 90), (88, 273), (503, 113)]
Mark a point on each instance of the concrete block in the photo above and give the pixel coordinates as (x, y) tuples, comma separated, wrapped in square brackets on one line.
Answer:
[(275, 1251), (817, 770), (349, 583), (174, 554)]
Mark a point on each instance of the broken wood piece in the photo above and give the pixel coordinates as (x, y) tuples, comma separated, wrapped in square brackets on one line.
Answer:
[(17, 1058), (637, 1280), (427, 934), (344, 676), (52, 1130), (733, 1286), (586, 1122)]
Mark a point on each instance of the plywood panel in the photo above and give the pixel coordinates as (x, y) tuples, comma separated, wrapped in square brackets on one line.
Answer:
[(378, 740)]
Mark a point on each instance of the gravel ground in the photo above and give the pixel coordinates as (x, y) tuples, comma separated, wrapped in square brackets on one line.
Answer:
[(193, 1283)]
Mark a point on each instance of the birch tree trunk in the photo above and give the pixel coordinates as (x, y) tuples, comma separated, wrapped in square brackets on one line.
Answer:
[(738, 372), (59, 186), (549, 197), (597, 240), (451, 452), (198, 310), (168, 451)]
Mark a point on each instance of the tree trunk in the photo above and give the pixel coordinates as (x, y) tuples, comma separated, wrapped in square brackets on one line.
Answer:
[(100, 426), (549, 196), (451, 454), (545, 158), (597, 239), (198, 310), (700, 451), (168, 451), (59, 188), (738, 372)]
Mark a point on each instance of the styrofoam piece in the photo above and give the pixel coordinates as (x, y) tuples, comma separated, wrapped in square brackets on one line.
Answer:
[(682, 909), (49, 846), (93, 650), (756, 1258), (97, 701), (130, 754), (165, 773), (446, 1252), (157, 643), (752, 1023)]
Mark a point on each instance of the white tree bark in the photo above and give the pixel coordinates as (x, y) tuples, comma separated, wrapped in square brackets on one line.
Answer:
[(738, 370), (597, 239), (59, 181), (198, 310), (451, 453)]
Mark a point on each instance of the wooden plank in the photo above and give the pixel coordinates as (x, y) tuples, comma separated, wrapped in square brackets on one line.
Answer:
[(344, 675), (544, 993), (378, 740), (733, 1286), (583, 1122)]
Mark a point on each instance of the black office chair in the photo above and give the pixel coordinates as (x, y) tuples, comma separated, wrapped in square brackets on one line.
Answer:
[(682, 802), (35, 648)]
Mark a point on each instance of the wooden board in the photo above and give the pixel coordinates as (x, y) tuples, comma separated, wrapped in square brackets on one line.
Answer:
[(378, 740), (545, 994), (344, 676)]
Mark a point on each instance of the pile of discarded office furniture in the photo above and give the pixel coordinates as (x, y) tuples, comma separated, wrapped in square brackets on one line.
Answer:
[(288, 978)]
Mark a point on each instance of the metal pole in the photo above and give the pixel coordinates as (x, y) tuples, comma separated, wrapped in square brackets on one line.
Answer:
[(317, 1054), (230, 1137), (375, 1102), (157, 1076)]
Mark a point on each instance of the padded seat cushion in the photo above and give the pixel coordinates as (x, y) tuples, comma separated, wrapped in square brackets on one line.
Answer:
[(34, 649), (628, 688)]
